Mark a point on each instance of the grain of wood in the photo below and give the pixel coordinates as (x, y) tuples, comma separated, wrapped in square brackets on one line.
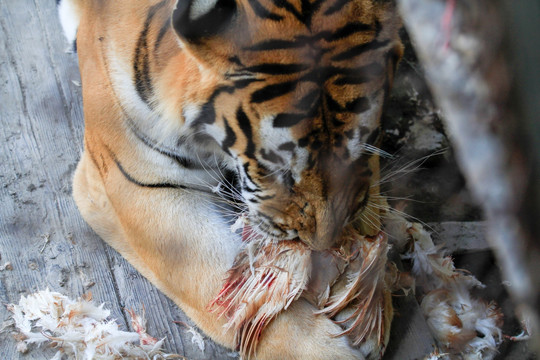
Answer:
[(457, 237), (139, 294), (38, 117), (42, 128)]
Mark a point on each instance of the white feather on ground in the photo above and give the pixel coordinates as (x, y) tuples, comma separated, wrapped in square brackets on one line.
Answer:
[(80, 330), (196, 337)]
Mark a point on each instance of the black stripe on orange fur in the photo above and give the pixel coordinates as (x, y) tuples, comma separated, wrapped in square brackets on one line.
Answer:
[(141, 62)]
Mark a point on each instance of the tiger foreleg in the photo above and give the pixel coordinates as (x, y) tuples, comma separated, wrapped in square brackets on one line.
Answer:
[(175, 240)]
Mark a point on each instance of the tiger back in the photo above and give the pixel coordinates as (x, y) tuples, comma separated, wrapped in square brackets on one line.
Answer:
[(199, 111)]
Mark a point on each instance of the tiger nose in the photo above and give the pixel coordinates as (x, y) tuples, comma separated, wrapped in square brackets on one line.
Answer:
[(320, 241), (321, 229)]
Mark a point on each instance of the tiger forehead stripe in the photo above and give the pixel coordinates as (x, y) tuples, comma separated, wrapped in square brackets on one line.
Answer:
[(336, 7), (263, 12), (273, 91), (347, 30), (306, 12), (360, 75), (302, 40), (359, 50), (274, 44), (277, 69)]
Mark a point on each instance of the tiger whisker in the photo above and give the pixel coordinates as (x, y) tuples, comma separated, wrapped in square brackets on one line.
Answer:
[(406, 168)]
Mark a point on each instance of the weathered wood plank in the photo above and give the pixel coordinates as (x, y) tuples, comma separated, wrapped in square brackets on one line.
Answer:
[(139, 294), (459, 237), (42, 127), (41, 131)]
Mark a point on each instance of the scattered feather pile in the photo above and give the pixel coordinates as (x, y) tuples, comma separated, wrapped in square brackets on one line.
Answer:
[(264, 280), (80, 330), (461, 323)]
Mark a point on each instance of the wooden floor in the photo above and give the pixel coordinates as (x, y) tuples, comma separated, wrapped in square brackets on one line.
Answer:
[(41, 232)]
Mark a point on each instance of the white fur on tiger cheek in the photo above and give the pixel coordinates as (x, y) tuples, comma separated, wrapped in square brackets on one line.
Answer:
[(138, 112), (190, 112), (150, 118), (69, 18), (120, 70), (216, 132), (201, 7), (271, 137), (299, 162), (368, 119)]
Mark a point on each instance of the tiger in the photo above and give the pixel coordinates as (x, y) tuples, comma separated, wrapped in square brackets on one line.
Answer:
[(198, 112)]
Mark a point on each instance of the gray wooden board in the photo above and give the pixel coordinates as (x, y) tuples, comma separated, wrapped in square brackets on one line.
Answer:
[(42, 128), (459, 237), (40, 146), (139, 294)]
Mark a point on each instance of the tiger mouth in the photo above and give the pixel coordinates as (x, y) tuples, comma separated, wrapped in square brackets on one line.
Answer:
[(248, 231)]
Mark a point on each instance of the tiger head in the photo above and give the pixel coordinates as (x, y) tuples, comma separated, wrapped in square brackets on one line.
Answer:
[(298, 88)]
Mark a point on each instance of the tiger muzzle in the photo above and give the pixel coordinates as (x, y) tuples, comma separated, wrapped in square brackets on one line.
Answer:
[(319, 226)]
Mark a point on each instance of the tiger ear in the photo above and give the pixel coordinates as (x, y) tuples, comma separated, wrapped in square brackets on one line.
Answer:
[(195, 20)]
